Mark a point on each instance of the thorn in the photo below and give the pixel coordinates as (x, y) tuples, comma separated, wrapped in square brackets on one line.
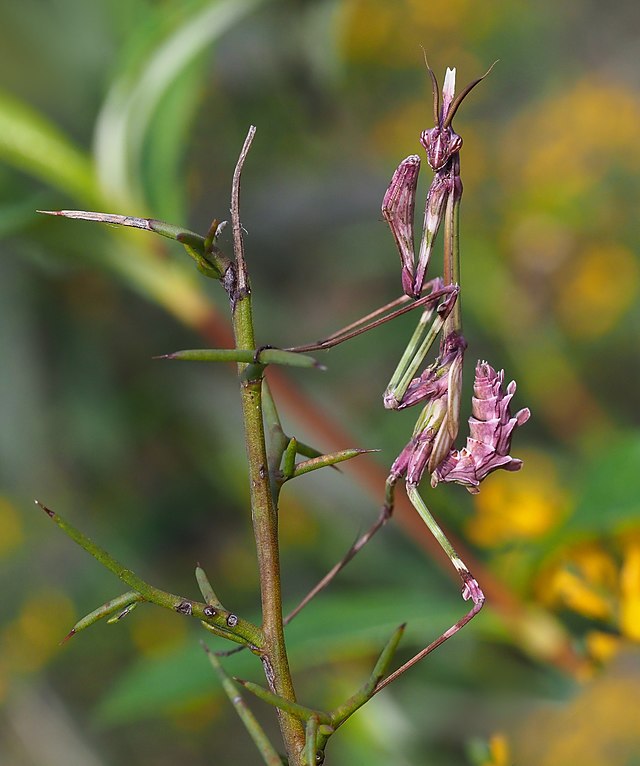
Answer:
[(69, 635), (48, 511)]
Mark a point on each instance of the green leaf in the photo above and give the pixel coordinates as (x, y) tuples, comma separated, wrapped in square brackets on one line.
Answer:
[(610, 489), (29, 142), (130, 107), (267, 356), (330, 459)]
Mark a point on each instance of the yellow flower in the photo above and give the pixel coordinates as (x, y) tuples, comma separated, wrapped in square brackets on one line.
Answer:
[(630, 591), (601, 586), (499, 752), (600, 286), (602, 646), (526, 508), (583, 580)]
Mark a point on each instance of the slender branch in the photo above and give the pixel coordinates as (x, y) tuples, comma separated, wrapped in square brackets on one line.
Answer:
[(256, 732), (216, 618), (263, 508), (236, 227)]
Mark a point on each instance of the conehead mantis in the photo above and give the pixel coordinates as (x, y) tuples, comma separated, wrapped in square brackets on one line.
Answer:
[(438, 387)]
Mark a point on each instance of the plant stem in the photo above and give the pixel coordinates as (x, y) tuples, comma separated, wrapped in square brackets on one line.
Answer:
[(256, 732), (243, 630), (263, 510)]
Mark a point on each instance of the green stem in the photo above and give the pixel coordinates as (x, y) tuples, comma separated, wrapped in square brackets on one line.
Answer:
[(265, 528), (267, 356), (256, 732), (263, 508), (221, 619)]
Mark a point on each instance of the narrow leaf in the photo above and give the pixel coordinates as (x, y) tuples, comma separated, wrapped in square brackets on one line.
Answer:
[(247, 356), (210, 262), (208, 594), (130, 106), (125, 601), (256, 732), (311, 733), (289, 458), (31, 143), (344, 711), (330, 459), (293, 708)]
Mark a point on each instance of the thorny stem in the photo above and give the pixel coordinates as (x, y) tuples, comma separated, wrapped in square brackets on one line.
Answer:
[(242, 631), (263, 509), (256, 732)]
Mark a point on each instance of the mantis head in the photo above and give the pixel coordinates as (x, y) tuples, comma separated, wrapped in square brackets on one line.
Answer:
[(441, 142)]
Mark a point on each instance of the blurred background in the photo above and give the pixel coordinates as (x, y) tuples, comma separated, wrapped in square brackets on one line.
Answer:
[(140, 108)]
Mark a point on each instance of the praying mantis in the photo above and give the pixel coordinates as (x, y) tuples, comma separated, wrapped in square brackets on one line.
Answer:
[(438, 387)]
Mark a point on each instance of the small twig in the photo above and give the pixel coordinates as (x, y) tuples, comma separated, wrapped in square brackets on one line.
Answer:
[(256, 732), (216, 618), (242, 279)]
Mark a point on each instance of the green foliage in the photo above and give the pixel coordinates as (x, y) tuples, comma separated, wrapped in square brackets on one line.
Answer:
[(338, 93)]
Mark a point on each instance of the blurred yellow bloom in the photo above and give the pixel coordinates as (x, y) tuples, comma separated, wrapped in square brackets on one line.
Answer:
[(499, 752), (599, 287), (570, 590), (602, 646), (566, 151), (373, 28), (583, 581), (368, 27), (155, 630), (526, 508), (630, 590), (33, 637), (601, 586)]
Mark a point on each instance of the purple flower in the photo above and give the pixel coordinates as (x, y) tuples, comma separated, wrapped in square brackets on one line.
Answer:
[(491, 428)]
